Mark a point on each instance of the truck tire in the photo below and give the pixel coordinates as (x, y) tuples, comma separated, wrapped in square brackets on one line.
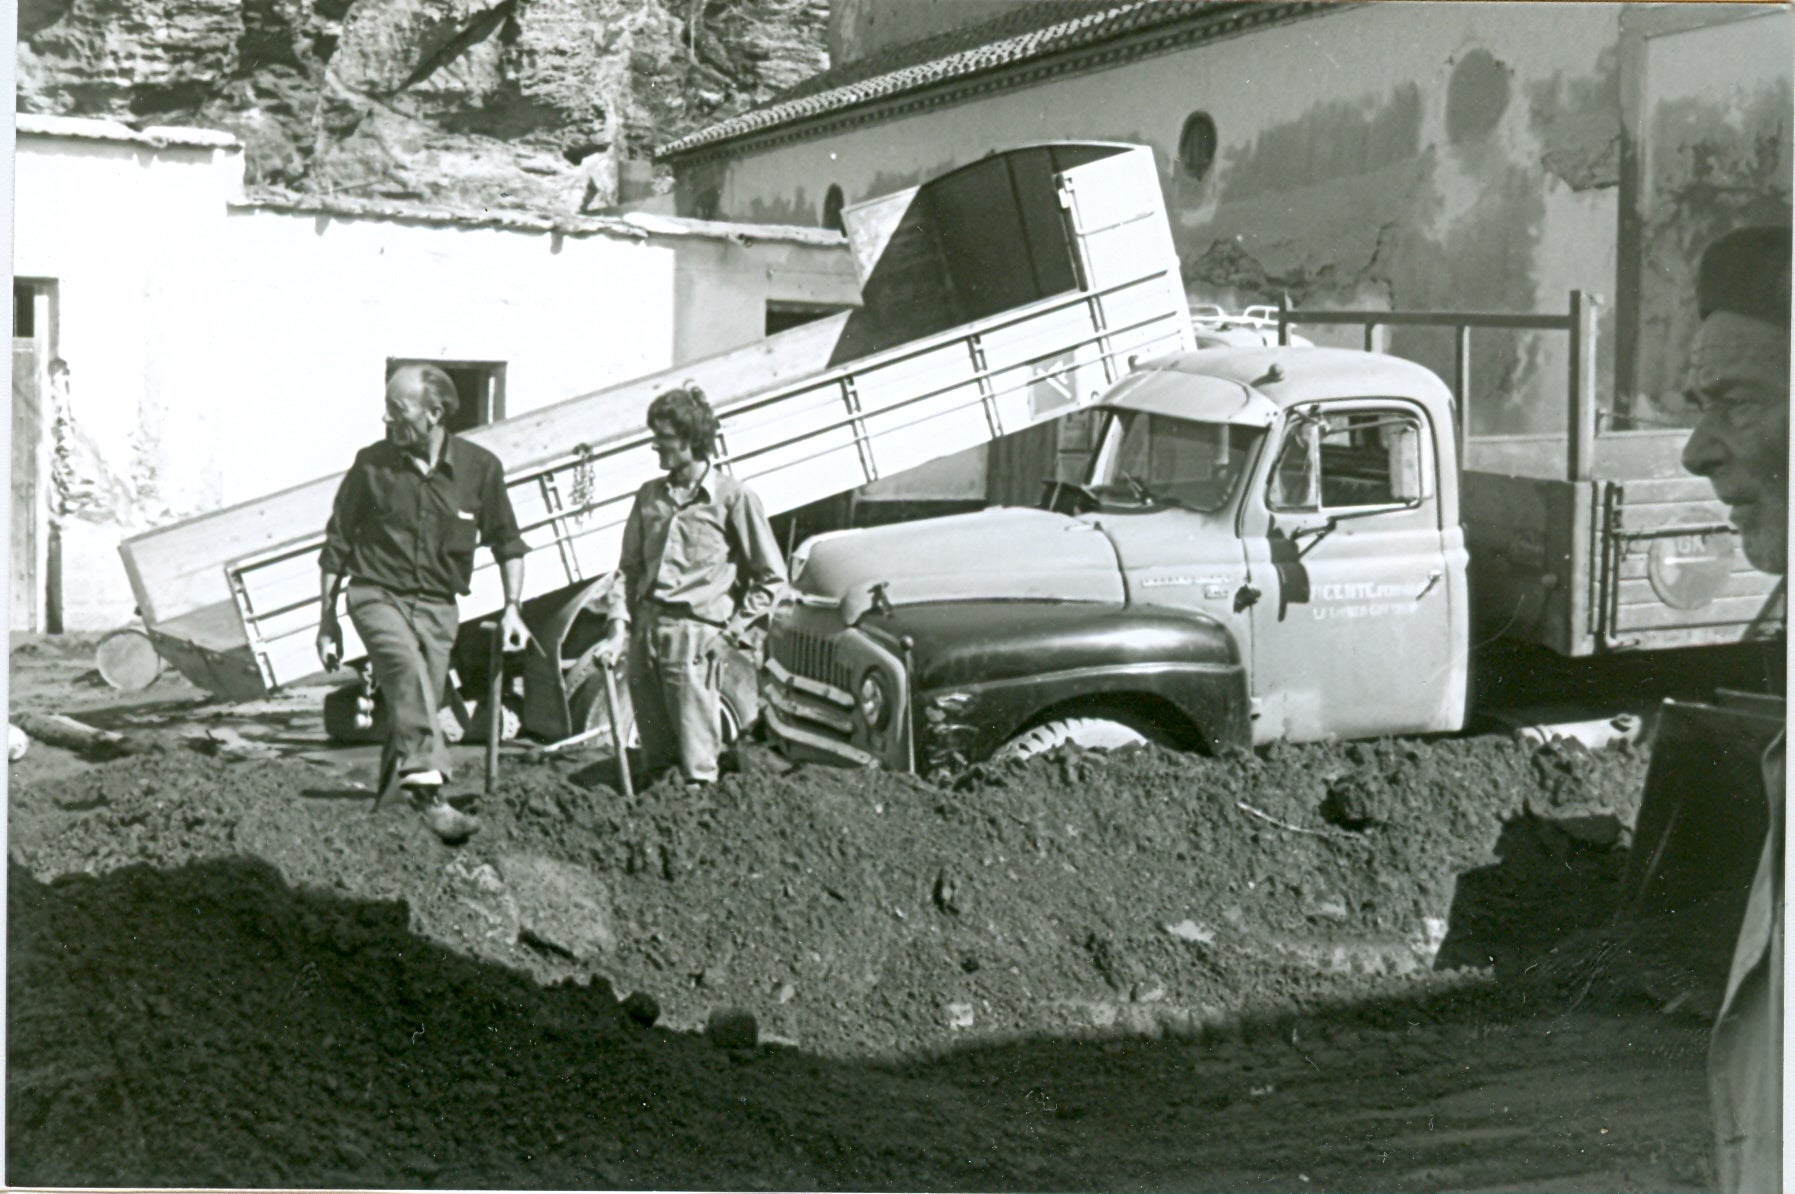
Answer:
[(1091, 732)]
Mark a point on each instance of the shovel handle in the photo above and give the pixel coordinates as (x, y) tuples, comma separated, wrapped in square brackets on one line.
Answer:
[(495, 702), (618, 745)]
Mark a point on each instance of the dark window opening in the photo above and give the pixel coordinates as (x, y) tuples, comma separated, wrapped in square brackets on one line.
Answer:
[(832, 205), (1196, 144), (24, 309), (782, 317), (479, 384)]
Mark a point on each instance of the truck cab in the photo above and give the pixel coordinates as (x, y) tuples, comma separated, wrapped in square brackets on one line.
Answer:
[(1266, 544)]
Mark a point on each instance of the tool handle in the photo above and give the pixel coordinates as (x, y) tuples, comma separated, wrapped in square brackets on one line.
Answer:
[(618, 744), (495, 702)]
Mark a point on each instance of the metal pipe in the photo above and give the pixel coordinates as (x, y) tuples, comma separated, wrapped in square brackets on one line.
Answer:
[(1581, 433), (1478, 319), (1461, 385)]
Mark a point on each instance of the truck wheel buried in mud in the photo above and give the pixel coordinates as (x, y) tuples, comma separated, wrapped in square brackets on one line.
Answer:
[(1090, 732)]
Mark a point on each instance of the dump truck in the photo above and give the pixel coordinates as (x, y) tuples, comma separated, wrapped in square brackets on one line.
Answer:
[(993, 298), (1269, 542)]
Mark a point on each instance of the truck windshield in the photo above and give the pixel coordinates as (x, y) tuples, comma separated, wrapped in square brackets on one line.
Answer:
[(1146, 459)]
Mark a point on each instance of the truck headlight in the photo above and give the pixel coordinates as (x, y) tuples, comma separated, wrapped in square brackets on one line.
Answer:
[(875, 700)]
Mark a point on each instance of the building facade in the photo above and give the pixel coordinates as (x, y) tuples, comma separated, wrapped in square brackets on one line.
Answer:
[(1423, 156), (181, 345)]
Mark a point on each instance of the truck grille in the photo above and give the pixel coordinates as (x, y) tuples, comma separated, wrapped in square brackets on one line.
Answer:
[(812, 657)]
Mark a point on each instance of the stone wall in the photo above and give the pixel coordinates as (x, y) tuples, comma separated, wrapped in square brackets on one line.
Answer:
[(858, 28), (516, 103)]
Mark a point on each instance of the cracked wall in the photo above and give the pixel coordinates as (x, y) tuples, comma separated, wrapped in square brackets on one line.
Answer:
[(1715, 155), (1421, 156)]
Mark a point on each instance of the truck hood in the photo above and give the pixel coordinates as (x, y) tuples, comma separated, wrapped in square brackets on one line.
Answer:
[(992, 555)]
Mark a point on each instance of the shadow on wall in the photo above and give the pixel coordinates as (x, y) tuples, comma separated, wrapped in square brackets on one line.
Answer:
[(1347, 206)]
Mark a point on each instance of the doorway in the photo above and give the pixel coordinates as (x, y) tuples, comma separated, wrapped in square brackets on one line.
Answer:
[(35, 574)]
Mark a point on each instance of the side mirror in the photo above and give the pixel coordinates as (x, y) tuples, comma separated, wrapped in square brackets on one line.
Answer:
[(1408, 471)]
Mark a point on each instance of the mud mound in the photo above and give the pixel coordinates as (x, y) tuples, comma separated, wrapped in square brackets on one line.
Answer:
[(210, 1025), (232, 973), (1147, 889), (860, 913)]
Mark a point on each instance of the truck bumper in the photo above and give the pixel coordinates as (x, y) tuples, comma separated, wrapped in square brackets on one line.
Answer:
[(808, 700)]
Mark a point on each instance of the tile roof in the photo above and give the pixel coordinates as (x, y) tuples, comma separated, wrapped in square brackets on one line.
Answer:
[(630, 226), (1033, 32), (38, 124)]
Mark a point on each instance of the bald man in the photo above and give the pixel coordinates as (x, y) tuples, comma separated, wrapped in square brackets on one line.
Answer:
[(407, 518), (1739, 383)]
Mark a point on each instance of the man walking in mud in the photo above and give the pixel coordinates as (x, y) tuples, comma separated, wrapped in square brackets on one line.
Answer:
[(1739, 381), (700, 566), (402, 533)]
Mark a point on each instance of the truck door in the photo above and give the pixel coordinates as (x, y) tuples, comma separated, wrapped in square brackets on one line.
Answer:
[(1354, 626)]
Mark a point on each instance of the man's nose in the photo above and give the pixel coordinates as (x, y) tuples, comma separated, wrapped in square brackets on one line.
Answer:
[(1705, 451)]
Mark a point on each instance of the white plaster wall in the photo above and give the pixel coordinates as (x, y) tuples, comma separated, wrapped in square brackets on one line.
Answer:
[(1248, 84), (219, 353), (123, 230), (320, 303), (1509, 220)]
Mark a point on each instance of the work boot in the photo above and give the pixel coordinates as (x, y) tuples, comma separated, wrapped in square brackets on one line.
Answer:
[(448, 822), (445, 820)]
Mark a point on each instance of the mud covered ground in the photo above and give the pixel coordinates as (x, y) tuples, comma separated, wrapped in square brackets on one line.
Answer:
[(1366, 966)]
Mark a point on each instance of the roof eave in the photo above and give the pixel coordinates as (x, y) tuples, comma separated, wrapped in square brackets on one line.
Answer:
[(1167, 38)]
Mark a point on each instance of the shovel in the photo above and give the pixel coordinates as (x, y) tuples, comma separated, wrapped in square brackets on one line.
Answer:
[(617, 738), (495, 705), (1702, 820)]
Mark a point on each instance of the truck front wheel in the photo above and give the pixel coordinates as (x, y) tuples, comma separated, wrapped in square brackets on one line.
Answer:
[(1089, 732)]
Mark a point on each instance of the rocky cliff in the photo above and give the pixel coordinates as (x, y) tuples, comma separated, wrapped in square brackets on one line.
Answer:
[(516, 103)]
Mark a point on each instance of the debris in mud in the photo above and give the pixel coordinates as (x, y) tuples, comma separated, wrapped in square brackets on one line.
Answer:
[(732, 1028), (57, 729), (642, 1007)]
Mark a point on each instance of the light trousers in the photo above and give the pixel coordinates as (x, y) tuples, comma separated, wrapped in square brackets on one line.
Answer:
[(674, 684)]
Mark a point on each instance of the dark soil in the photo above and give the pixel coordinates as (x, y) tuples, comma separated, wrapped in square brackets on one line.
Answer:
[(1377, 965)]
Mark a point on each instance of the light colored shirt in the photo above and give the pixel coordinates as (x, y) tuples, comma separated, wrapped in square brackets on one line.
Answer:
[(1745, 1072), (712, 556)]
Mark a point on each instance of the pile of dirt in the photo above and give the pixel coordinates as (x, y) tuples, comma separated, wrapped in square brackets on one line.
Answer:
[(1148, 889), (858, 913), (225, 964)]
